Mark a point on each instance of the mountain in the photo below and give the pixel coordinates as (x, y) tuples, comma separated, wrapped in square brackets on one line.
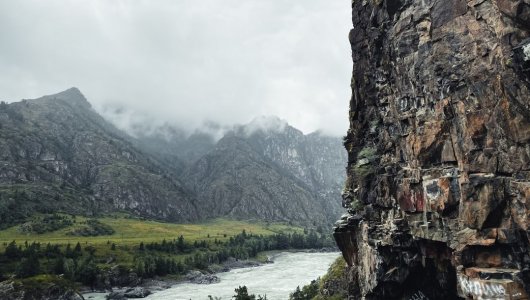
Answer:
[(173, 147), (271, 172), (315, 159), (58, 154)]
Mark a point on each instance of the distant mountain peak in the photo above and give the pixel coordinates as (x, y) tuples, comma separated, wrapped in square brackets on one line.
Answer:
[(265, 124), (72, 94)]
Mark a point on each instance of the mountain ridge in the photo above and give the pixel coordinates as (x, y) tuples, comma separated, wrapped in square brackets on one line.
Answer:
[(60, 141), (66, 157)]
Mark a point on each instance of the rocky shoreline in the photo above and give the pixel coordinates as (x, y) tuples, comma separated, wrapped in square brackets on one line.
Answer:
[(43, 288), (145, 287)]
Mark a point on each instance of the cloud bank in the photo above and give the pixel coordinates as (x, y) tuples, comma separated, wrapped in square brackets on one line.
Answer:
[(187, 62)]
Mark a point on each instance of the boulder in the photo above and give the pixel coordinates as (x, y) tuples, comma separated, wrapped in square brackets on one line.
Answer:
[(200, 278)]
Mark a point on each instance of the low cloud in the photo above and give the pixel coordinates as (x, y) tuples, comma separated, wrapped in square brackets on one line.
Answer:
[(186, 63)]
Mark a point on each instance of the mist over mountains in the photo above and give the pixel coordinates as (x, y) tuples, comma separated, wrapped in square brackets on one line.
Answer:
[(58, 154)]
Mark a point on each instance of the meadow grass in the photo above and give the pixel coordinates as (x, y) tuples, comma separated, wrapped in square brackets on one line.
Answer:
[(130, 231)]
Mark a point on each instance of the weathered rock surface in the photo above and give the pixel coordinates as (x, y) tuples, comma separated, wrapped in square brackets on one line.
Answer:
[(438, 188), (130, 293), (200, 278), (117, 276), (137, 292)]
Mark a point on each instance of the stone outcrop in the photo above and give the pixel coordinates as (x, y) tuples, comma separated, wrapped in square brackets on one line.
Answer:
[(38, 289), (438, 188), (130, 293), (198, 277)]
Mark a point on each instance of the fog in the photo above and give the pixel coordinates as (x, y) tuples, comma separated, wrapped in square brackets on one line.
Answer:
[(187, 63)]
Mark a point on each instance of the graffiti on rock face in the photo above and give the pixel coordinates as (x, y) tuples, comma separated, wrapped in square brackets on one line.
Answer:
[(481, 289)]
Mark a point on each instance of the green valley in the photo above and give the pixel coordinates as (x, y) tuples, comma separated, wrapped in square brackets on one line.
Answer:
[(138, 249)]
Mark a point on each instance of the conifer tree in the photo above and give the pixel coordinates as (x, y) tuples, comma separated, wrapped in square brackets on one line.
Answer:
[(242, 294), (29, 266), (12, 251), (77, 247), (58, 267)]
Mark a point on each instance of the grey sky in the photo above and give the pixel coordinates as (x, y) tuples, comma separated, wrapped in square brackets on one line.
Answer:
[(184, 61)]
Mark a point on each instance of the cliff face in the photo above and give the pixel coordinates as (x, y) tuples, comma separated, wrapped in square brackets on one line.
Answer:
[(438, 188)]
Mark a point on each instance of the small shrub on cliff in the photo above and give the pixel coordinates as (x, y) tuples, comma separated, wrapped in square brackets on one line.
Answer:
[(364, 166), (356, 204), (369, 153)]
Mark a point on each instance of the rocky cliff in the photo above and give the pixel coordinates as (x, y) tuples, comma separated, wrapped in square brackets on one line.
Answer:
[(438, 187)]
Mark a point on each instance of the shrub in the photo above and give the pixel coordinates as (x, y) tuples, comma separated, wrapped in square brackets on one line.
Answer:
[(93, 228)]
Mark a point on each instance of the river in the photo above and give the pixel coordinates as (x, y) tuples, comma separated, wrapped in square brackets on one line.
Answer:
[(276, 280)]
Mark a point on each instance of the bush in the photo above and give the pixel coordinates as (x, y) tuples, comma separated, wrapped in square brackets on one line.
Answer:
[(365, 162), (308, 292), (47, 223), (242, 294), (93, 228)]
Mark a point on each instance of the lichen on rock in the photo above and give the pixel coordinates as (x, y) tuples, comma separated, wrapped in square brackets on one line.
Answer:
[(438, 151)]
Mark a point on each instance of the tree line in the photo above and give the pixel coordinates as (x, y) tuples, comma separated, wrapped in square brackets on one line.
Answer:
[(176, 256)]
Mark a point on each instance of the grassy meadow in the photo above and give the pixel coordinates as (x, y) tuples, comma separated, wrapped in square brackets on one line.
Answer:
[(131, 232)]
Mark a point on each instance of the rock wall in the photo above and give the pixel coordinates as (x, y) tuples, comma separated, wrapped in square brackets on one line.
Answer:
[(438, 188)]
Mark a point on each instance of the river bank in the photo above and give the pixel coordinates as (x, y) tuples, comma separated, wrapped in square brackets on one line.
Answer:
[(151, 285), (277, 279)]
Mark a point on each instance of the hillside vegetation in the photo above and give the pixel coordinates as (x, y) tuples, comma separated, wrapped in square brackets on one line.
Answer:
[(137, 248)]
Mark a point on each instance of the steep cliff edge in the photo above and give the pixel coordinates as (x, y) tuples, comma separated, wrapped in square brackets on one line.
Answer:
[(438, 188)]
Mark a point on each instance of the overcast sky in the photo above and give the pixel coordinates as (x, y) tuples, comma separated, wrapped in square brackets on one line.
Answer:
[(185, 62)]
